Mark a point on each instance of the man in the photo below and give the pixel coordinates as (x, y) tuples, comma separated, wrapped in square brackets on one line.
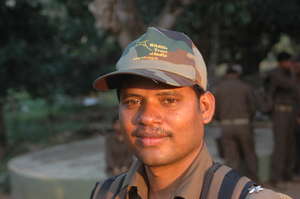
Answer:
[(296, 68), (117, 154), (235, 109), (283, 92), (163, 107)]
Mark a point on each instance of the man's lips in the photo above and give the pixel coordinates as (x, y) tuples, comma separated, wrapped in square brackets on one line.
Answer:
[(150, 141)]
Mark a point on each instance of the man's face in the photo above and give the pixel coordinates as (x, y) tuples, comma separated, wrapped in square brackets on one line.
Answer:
[(163, 124)]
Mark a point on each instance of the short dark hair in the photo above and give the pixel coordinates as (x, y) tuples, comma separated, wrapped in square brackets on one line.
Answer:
[(283, 56), (198, 90)]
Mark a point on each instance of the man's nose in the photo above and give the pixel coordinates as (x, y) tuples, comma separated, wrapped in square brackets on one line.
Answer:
[(149, 114)]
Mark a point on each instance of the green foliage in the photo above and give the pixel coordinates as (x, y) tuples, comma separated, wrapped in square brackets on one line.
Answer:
[(150, 10), (109, 99), (247, 29), (35, 120), (21, 45), (51, 46)]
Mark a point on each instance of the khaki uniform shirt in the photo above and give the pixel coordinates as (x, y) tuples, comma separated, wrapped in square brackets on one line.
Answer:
[(283, 87), (298, 96), (234, 99), (188, 186)]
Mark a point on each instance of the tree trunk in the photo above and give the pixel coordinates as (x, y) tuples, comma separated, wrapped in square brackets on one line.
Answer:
[(3, 140), (122, 17), (214, 53), (169, 14)]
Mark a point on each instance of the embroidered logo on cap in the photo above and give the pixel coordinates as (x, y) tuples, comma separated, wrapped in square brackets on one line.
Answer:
[(150, 51)]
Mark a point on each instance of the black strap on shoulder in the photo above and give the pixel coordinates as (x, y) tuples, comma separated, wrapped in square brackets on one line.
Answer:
[(120, 185), (208, 179), (105, 186), (229, 182), (94, 190)]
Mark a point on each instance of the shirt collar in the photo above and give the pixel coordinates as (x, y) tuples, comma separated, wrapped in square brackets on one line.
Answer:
[(188, 185)]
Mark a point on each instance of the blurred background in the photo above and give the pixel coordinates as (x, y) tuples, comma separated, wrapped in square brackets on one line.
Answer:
[(51, 51)]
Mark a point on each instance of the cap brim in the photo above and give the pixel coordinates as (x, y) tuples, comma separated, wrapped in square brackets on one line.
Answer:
[(112, 80)]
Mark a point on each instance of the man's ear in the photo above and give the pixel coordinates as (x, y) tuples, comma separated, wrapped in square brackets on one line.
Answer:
[(207, 106)]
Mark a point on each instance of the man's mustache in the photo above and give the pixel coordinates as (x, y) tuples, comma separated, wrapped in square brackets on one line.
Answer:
[(152, 132)]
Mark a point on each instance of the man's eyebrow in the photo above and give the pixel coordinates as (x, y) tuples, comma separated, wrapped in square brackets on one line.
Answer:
[(130, 95), (165, 93)]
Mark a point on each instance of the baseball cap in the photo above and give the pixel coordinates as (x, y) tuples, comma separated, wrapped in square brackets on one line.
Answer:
[(163, 55)]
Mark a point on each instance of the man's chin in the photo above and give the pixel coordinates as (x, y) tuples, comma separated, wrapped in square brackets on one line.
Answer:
[(154, 163), (153, 160)]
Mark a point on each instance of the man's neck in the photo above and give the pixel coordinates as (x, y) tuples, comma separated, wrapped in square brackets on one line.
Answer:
[(161, 177)]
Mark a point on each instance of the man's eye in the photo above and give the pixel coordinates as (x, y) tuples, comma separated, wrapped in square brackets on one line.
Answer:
[(170, 101), (131, 102)]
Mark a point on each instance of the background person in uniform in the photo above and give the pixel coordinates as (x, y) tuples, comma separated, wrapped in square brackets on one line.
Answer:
[(235, 109), (282, 90), (164, 104), (296, 63), (117, 154)]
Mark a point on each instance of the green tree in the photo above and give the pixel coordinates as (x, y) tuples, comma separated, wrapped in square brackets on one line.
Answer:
[(81, 51), (25, 31), (49, 47)]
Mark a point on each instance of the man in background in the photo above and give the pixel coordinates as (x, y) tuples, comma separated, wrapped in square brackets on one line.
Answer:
[(235, 109), (296, 69), (283, 92)]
